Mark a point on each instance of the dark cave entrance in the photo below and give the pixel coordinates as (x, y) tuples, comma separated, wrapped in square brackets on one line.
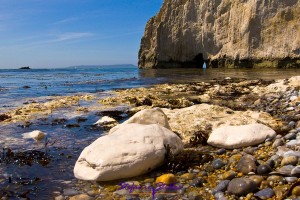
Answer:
[(199, 61)]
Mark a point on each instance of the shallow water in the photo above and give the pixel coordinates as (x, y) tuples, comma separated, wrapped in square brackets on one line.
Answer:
[(43, 181)]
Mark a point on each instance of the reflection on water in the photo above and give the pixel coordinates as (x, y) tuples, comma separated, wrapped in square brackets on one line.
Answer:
[(199, 74)]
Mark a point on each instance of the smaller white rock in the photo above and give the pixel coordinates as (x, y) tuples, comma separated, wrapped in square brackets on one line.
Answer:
[(36, 135), (105, 120), (231, 137)]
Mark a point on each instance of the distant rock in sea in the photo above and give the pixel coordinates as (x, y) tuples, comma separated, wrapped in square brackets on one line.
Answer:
[(25, 67)]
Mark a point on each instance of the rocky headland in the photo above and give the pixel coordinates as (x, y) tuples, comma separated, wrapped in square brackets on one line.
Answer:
[(229, 33), (222, 139)]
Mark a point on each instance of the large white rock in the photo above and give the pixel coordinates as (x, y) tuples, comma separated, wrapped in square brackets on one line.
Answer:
[(147, 116), (132, 150), (231, 137), (36, 135)]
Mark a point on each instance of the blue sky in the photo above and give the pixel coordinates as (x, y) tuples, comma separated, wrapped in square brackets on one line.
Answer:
[(59, 33)]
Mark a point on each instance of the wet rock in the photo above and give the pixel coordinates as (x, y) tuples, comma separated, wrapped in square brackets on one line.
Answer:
[(257, 179), (271, 163), (220, 196), (197, 182), (166, 179), (145, 117), (218, 163), (36, 135), (231, 137), (60, 197), (70, 192), (296, 170), (221, 151), (221, 187), (81, 197), (187, 176), (291, 179), (4, 117), (241, 186), (229, 175), (263, 169), (265, 193), (137, 148), (278, 142), (275, 179), (72, 125), (293, 143), (247, 164), (296, 191), (290, 136), (289, 160), (291, 153), (286, 170)]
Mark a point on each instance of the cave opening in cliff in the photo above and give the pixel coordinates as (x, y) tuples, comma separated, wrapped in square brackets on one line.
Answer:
[(199, 61)]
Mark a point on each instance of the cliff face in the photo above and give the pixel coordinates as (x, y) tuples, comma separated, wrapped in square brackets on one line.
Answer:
[(229, 33)]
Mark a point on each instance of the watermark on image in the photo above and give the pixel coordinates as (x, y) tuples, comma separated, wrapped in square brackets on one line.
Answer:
[(158, 188)]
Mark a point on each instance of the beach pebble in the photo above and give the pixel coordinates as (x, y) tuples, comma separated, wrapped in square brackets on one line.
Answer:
[(36, 135), (70, 192), (187, 176), (286, 170), (231, 137), (265, 193), (241, 186), (218, 163), (263, 169), (60, 197), (81, 197), (296, 170), (166, 179), (291, 153), (296, 191), (290, 136), (257, 179), (221, 151), (293, 143), (278, 142), (220, 196), (289, 160), (221, 187), (197, 182), (291, 179), (228, 175), (246, 164)]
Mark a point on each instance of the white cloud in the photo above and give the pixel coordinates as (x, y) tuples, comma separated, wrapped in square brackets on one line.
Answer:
[(72, 36)]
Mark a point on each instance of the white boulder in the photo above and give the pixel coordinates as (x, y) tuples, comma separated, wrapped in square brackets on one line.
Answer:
[(231, 137), (36, 135), (147, 116), (133, 149)]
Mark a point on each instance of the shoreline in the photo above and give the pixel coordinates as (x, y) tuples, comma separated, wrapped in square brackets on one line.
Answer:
[(216, 101)]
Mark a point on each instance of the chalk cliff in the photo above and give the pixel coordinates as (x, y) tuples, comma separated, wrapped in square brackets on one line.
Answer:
[(225, 33)]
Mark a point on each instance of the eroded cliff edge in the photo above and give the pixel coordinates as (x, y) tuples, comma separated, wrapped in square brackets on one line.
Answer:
[(225, 33)]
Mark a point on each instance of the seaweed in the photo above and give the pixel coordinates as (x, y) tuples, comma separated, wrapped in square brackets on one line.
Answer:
[(184, 160)]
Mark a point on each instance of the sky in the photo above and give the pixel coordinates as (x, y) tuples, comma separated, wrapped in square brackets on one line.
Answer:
[(61, 33)]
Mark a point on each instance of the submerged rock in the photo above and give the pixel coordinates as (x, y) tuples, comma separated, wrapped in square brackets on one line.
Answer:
[(231, 137), (133, 149), (36, 135)]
